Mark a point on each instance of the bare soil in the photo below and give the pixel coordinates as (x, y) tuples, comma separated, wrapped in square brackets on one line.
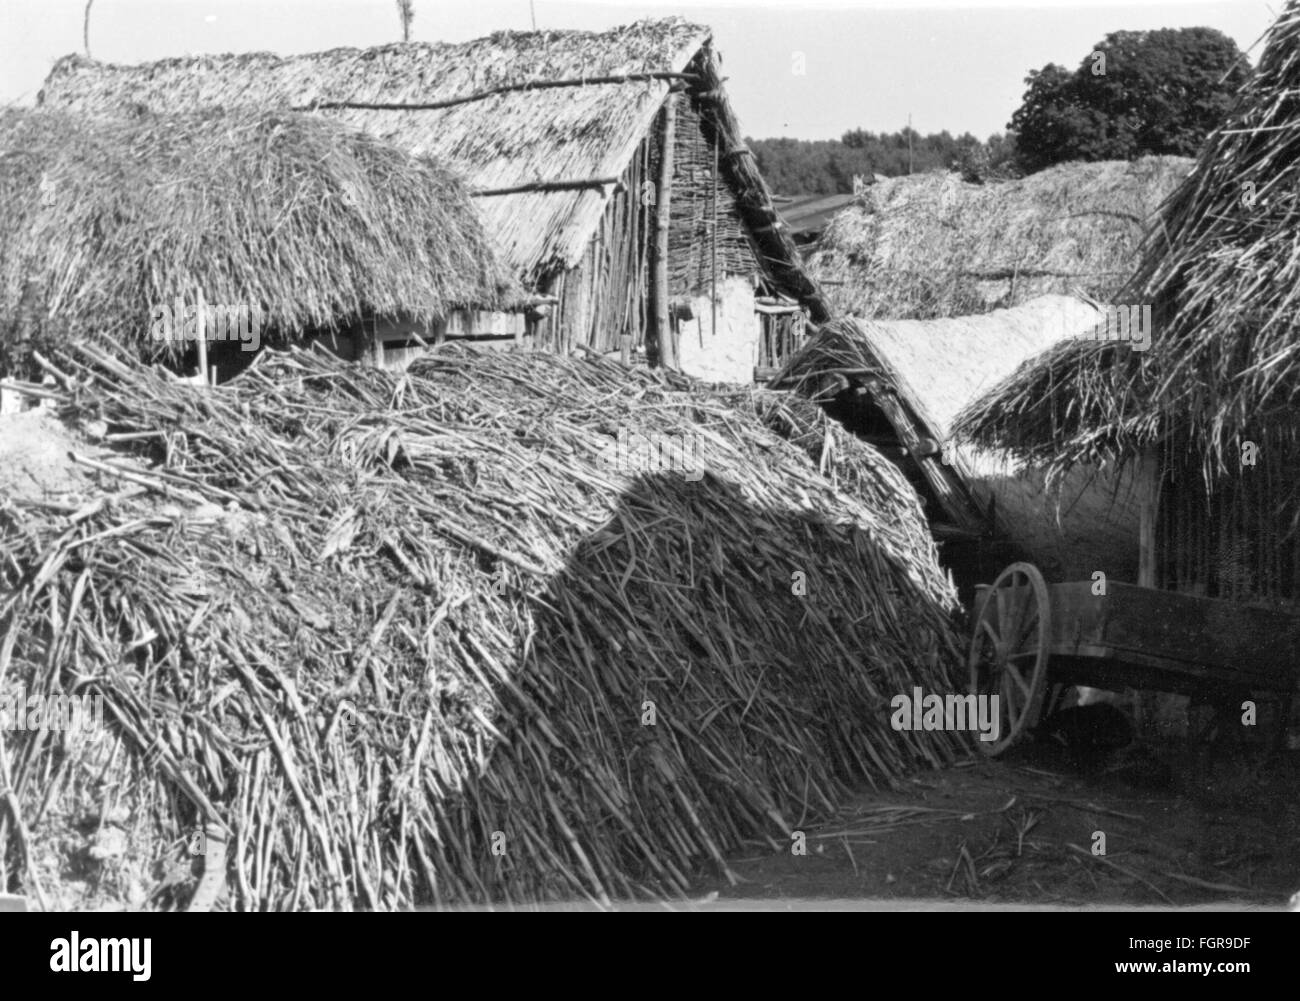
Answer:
[(1027, 829)]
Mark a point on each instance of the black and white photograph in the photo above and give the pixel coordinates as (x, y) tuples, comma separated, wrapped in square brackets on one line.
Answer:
[(461, 457)]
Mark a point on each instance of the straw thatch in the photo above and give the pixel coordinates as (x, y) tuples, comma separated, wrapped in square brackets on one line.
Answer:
[(1222, 275), (901, 383), (933, 246), (1224, 269), (505, 111), (1210, 407), (937, 366), (446, 551), (308, 221)]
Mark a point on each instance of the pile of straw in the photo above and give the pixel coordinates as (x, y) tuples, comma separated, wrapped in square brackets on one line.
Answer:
[(311, 222), (932, 245), (444, 557)]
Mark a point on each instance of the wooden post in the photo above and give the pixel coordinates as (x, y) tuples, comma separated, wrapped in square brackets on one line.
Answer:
[(665, 346), (1146, 703), (371, 350), (713, 238), (1148, 486), (201, 327)]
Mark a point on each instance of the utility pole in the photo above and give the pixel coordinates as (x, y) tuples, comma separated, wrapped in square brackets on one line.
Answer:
[(532, 9), (909, 144), (406, 11)]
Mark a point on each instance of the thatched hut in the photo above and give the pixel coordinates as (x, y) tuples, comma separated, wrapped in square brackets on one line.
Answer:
[(1207, 414), (932, 245), (899, 385), (165, 232), (609, 169)]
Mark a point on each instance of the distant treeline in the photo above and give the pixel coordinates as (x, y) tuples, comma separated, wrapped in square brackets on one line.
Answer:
[(1137, 93), (827, 166)]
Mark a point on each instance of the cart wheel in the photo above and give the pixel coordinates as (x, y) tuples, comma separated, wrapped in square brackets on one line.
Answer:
[(1009, 650)]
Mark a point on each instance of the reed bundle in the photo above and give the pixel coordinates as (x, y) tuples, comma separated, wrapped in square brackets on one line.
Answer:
[(376, 627)]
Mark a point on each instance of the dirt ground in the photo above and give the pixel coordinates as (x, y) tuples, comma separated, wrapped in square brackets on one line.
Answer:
[(1027, 829)]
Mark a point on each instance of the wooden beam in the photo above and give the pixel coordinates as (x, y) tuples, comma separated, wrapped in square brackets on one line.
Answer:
[(576, 184), (945, 481), (480, 95)]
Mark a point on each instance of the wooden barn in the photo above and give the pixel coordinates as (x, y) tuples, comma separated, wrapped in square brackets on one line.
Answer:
[(608, 169)]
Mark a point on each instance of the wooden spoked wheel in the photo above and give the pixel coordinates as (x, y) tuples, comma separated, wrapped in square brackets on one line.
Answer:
[(1009, 651)]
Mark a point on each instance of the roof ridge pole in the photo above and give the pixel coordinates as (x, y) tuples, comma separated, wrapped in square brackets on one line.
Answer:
[(664, 351)]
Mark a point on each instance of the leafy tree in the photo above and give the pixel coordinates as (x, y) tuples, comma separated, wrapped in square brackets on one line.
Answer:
[(1136, 93)]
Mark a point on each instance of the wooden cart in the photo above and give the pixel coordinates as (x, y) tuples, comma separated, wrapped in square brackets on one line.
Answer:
[(1030, 638)]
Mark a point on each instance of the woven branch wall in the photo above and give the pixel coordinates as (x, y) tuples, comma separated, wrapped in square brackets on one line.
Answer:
[(695, 184)]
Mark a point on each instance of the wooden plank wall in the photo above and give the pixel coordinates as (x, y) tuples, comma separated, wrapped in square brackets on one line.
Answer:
[(1238, 539)]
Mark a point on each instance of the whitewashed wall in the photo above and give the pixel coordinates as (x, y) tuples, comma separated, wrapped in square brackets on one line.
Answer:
[(727, 355)]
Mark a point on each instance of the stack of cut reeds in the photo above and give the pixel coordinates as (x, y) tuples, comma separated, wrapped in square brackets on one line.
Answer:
[(412, 638)]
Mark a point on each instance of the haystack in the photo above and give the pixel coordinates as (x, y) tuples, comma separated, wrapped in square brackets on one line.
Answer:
[(429, 638), (311, 223), (900, 384), (609, 168), (933, 246), (1208, 413)]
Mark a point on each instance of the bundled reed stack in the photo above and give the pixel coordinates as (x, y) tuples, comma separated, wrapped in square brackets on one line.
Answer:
[(1209, 409), (435, 638), (934, 246), (307, 222)]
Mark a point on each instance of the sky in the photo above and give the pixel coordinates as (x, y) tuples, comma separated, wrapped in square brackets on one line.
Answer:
[(949, 64)]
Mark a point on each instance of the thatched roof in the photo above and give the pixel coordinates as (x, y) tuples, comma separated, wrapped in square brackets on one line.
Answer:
[(920, 373), (938, 366), (932, 245), (493, 128), (448, 560), (1223, 276), (311, 221)]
